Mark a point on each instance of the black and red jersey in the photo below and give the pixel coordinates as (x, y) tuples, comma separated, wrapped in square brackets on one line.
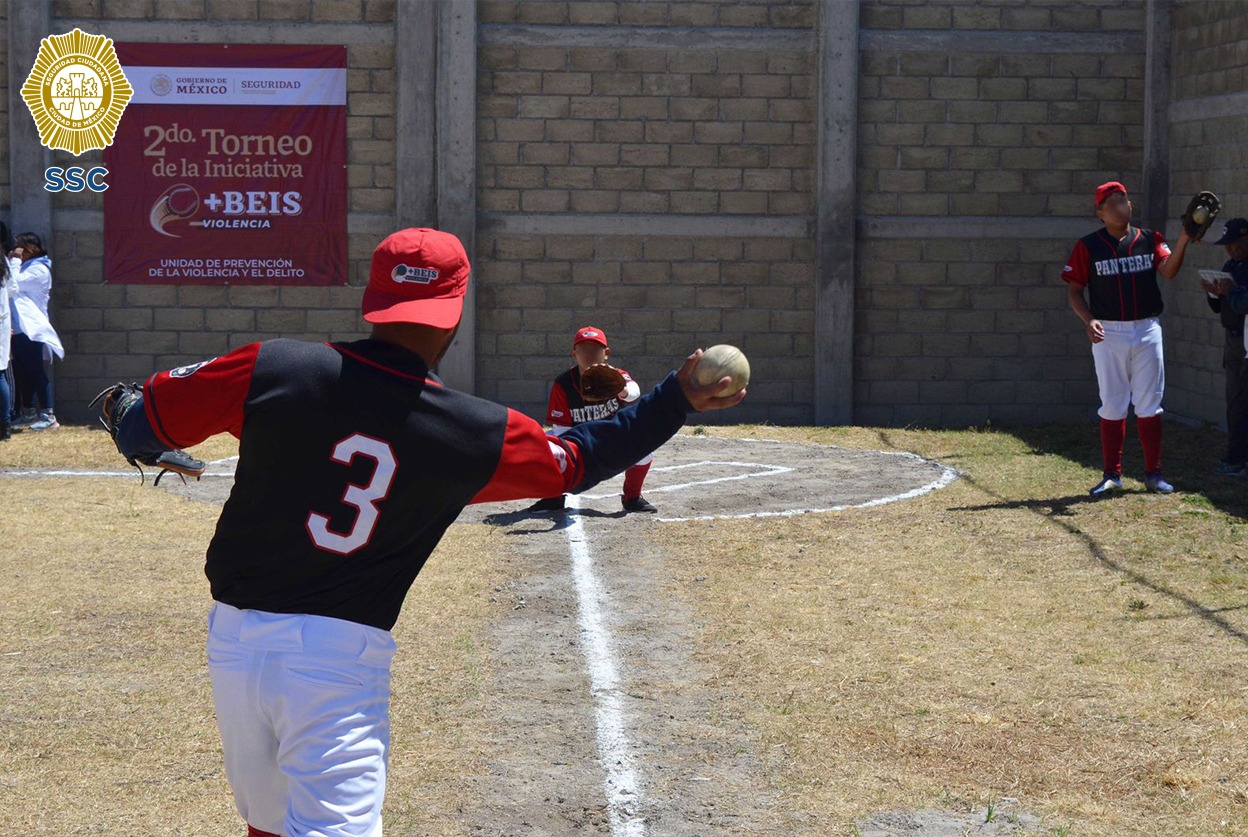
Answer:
[(353, 461), (1121, 276), (567, 408)]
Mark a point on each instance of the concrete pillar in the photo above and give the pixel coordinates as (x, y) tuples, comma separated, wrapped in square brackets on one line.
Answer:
[(415, 70), (31, 204), (1153, 210), (837, 139), (456, 174)]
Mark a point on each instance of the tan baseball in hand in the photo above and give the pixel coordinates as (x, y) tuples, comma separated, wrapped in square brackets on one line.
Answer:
[(1200, 215), (722, 361)]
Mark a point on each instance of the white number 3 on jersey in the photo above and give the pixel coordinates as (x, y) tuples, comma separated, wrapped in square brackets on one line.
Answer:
[(363, 497)]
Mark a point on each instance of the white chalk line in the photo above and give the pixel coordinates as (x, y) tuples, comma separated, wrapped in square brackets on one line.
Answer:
[(614, 750), (771, 470), (49, 472), (109, 474), (947, 476)]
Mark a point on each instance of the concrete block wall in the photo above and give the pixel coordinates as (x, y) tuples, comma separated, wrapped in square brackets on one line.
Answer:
[(125, 332), (1208, 121), (979, 150), (658, 164), (5, 186), (637, 188)]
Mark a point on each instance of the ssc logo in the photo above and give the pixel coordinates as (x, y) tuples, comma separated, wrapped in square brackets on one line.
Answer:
[(76, 92), (188, 371), (416, 275)]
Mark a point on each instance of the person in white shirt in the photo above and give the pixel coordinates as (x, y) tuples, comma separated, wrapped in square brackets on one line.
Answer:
[(8, 288), (35, 341)]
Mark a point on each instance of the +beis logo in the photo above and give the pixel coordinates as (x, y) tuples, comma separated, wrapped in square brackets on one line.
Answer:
[(76, 93)]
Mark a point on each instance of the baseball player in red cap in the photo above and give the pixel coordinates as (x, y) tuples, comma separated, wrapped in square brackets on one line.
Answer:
[(1118, 266), (354, 458), (568, 408)]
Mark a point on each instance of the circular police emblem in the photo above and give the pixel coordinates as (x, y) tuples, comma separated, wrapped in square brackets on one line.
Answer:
[(76, 92)]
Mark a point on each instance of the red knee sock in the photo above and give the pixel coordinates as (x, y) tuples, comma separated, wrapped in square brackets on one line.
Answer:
[(252, 831), (1150, 440), (1112, 435), (633, 478)]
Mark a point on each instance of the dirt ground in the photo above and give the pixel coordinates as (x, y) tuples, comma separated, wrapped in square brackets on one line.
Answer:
[(1000, 657), (698, 772)]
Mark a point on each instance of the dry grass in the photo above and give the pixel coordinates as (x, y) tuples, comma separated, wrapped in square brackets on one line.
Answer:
[(1002, 637), (106, 717), (87, 448)]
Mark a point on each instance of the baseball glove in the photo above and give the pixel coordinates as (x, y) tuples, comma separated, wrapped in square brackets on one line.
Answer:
[(115, 402), (1201, 210), (601, 382)]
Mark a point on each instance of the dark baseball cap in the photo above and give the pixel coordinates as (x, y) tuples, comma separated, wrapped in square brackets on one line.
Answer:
[(1106, 189), (418, 276), (1233, 231)]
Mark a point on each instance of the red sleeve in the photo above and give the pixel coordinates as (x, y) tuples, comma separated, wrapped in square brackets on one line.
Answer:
[(558, 411), (1161, 249), (187, 405), (532, 464), (1077, 272)]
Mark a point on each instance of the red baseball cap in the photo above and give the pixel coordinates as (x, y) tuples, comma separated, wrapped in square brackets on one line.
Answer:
[(418, 276), (1106, 189), (590, 333)]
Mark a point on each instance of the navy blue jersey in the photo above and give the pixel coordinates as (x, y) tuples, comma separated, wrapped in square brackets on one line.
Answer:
[(1121, 276), (567, 408)]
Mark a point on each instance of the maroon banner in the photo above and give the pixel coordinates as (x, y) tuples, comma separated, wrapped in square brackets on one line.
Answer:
[(229, 166)]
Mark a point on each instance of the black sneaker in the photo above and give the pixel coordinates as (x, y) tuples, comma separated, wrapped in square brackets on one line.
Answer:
[(638, 504), (550, 504)]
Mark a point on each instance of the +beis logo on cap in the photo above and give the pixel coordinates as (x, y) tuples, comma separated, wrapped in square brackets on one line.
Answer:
[(76, 93)]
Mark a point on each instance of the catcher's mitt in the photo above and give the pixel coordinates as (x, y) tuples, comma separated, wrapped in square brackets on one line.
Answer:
[(1201, 210), (601, 382), (118, 400)]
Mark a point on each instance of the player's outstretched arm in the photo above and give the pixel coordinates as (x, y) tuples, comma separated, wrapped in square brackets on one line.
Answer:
[(122, 414), (534, 464), (179, 408)]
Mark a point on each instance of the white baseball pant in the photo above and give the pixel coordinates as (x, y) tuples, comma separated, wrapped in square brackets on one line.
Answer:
[(1130, 368), (303, 707)]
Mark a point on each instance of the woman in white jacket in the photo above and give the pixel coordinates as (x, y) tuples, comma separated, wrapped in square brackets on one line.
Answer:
[(34, 339)]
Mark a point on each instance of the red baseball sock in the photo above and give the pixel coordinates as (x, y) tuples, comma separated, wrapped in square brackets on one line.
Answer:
[(252, 831), (633, 478), (1112, 435), (1150, 440)]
